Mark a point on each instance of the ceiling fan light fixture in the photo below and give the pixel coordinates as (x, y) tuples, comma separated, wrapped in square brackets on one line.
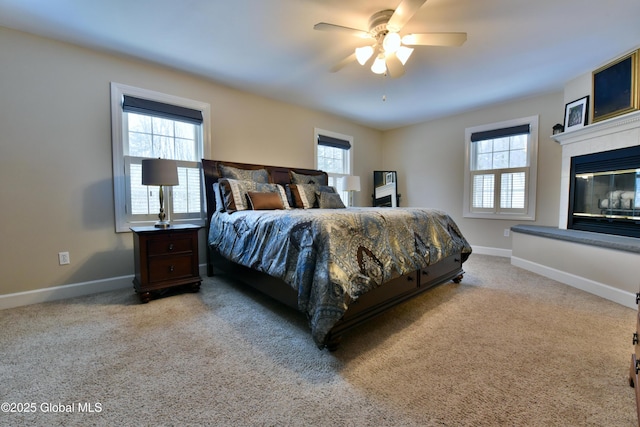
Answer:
[(363, 54), (391, 42), (379, 65), (403, 53)]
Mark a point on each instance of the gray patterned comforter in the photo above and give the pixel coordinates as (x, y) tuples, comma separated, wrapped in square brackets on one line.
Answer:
[(333, 255)]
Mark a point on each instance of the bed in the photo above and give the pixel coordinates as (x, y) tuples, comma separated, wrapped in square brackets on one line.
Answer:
[(340, 266)]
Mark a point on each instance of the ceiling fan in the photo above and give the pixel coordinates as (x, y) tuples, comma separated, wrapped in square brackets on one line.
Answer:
[(389, 50)]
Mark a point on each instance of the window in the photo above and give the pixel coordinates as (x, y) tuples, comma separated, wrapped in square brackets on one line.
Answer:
[(500, 170), (148, 124), (333, 156)]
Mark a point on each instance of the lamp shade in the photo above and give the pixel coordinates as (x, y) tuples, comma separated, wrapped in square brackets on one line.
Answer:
[(391, 42), (379, 66), (363, 54), (351, 183), (159, 172)]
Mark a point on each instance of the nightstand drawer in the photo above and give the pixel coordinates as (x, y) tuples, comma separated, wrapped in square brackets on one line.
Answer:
[(170, 268), (172, 245)]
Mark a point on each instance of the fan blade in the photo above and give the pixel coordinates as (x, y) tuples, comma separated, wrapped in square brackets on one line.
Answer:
[(323, 26), (340, 65), (403, 13), (394, 66), (435, 39)]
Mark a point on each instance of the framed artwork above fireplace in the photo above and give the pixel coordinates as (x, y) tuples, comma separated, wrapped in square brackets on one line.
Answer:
[(615, 88)]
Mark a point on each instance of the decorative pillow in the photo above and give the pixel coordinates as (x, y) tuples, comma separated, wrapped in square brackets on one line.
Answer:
[(234, 192), (218, 197), (329, 200), (264, 201), (304, 195), (256, 175), (298, 178)]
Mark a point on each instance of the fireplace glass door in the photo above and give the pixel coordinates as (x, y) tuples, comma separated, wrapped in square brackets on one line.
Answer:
[(605, 192), (611, 194)]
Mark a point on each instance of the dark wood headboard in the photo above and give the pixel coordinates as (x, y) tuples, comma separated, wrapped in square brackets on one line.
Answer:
[(277, 175)]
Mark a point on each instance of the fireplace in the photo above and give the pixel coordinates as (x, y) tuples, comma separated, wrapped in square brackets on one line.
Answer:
[(601, 176), (604, 192)]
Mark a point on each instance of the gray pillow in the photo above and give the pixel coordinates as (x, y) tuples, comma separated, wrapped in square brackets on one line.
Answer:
[(329, 200), (255, 175), (298, 178)]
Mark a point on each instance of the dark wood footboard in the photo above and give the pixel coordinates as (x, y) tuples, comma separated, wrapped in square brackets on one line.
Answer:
[(395, 292)]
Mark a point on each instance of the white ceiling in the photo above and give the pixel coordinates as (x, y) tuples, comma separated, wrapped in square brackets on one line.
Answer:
[(515, 48)]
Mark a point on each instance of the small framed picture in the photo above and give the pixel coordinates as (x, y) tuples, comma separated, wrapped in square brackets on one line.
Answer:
[(615, 88), (389, 179), (576, 113)]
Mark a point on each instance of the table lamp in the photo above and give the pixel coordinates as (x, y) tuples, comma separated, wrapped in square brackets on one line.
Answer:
[(351, 183), (160, 172)]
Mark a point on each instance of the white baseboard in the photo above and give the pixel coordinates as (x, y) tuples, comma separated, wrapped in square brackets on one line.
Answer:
[(65, 291), (73, 290), (484, 250), (619, 296)]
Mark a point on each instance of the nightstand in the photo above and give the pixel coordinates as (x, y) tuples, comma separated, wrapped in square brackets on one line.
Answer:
[(165, 258)]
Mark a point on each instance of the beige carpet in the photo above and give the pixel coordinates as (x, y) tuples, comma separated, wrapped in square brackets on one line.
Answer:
[(504, 347)]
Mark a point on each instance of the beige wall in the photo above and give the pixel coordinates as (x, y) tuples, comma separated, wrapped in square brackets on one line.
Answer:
[(55, 153), (429, 158), (55, 156)]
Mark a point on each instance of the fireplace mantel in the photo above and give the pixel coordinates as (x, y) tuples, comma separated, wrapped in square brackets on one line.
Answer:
[(600, 129), (617, 132)]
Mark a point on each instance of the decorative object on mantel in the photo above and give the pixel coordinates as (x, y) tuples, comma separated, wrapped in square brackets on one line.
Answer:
[(615, 88), (575, 113), (558, 128), (161, 172)]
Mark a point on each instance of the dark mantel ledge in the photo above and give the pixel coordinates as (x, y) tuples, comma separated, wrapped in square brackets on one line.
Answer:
[(621, 243)]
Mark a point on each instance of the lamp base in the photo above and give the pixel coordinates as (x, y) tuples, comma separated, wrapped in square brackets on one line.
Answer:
[(162, 224)]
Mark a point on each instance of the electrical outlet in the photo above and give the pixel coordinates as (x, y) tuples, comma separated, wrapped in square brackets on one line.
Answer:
[(63, 258), (506, 232)]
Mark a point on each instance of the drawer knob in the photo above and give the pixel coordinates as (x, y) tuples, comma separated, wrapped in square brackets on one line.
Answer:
[(170, 246), (425, 272), (637, 367), (409, 278), (635, 338), (637, 297), (171, 268)]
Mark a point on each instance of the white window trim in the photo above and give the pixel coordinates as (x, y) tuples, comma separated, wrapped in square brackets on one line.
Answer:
[(118, 91), (530, 211), (317, 132)]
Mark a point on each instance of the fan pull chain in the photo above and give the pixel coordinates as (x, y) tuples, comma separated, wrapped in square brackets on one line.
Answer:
[(384, 95)]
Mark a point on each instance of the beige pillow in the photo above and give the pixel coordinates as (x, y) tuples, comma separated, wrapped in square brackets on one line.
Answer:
[(234, 193)]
